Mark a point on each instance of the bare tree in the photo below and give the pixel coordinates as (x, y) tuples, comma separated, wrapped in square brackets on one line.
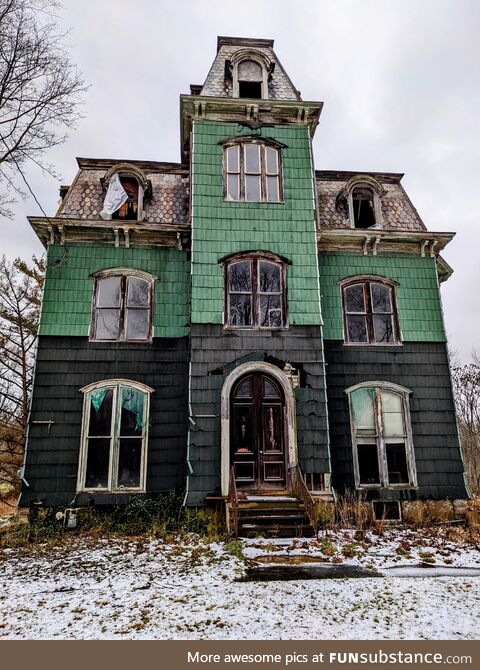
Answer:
[(466, 383), (20, 299), (40, 91)]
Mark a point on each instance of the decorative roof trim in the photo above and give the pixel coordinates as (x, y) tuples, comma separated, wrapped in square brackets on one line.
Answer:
[(258, 253), (239, 139)]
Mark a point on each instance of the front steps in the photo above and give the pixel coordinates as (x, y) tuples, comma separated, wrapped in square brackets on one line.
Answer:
[(273, 516)]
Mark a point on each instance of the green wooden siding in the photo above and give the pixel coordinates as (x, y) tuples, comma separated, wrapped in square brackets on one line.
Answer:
[(418, 296), (67, 300), (221, 228)]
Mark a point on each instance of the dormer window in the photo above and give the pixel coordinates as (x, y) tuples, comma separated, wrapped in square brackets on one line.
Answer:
[(252, 171), (363, 207), (129, 209), (250, 79)]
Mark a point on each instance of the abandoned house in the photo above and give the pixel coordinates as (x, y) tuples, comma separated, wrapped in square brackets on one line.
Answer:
[(240, 324)]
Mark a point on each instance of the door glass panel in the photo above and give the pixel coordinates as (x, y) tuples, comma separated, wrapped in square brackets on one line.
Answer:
[(270, 390), (272, 441), (109, 292), (381, 298), (368, 463), (107, 324), (392, 409), (138, 324), (269, 277), (129, 462), (98, 457), (243, 429), (383, 328), (270, 311), (252, 188), (240, 310), (355, 298), (240, 277), (244, 389), (363, 408), (357, 328), (100, 412), (252, 158), (138, 292), (397, 463)]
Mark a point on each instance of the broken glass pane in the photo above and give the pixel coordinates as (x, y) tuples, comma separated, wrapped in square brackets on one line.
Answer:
[(129, 461), (269, 277), (240, 310), (138, 322), (392, 409), (397, 463), (270, 311), (272, 162), (380, 298), (383, 328), (233, 155), (273, 194), (98, 456), (363, 408), (100, 413), (357, 328), (368, 463), (131, 421), (252, 188), (233, 186), (109, 292), (355, 298), (240, 277), (138, 292), (243, 437), (107, 324), (252, 158)]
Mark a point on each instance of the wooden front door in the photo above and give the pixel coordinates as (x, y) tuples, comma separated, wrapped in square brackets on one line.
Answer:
[(257, 433)]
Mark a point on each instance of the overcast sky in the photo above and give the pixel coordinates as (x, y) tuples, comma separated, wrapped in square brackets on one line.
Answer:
[(400, 80)]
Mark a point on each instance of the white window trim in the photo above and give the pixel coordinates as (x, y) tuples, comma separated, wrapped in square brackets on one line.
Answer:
[(381, 449), (114, 384)]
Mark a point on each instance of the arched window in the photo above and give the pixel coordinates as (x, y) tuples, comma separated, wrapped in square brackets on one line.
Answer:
[(369, 311), (129, 209), (250, 79), (122, 306), (114, 436), (383, 453), (361, 201), (363, 207), (255, 295), (250, 70), (252, 171), (125, 188)]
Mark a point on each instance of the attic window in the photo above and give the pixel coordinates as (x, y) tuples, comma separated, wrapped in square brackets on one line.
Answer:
[(250, 77), (363, 207), (129, 209)]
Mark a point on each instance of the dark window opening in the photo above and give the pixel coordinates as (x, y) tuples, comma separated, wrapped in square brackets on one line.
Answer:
[(129, 209), (389, 511), (363, 207), (369, 313), (397, 463), (315, 481), (368, 464), (250, 89)]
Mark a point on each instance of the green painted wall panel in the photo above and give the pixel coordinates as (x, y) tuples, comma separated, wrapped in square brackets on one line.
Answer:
[(67, 300), (418, 295), (221, 228)]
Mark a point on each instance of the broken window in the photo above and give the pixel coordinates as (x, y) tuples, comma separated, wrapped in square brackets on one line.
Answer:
[(369, 313), (129, 209), (383, 452), (122, 308), (252, 172), (114, 438), (255, 294), (250, 79), (363, 207)]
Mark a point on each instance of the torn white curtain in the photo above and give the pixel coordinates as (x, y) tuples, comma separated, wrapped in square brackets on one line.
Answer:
[(115, 198)]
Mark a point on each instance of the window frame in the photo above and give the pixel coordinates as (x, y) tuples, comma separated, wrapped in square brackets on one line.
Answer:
[(263, 174), (367, 281), (254, 259), (114, 449), (380, 438), (125, 274)]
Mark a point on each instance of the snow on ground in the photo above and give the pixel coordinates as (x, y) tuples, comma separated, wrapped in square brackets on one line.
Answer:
[(190, 590)]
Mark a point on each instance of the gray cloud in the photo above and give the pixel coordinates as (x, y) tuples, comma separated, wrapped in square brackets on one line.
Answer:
[(400, 82)]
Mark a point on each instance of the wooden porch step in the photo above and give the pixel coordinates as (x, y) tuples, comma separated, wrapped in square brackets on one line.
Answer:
[(260, 530)]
